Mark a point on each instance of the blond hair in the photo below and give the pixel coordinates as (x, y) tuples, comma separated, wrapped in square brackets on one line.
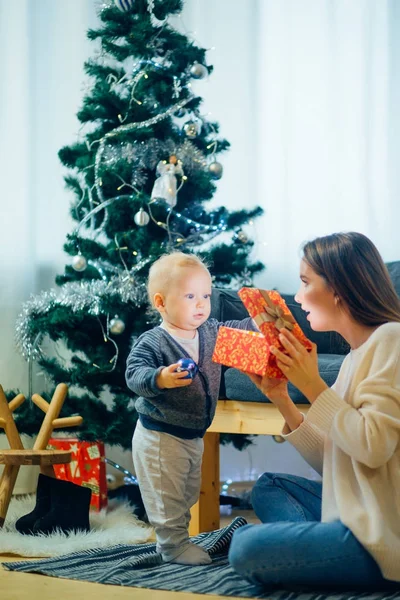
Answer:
[(165, 268)]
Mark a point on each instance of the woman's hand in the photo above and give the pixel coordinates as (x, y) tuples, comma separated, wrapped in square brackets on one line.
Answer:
[(275, 389), (299, 365), (277, 392)]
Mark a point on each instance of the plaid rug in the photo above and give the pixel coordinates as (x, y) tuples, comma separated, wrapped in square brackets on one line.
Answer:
[(140, 566)]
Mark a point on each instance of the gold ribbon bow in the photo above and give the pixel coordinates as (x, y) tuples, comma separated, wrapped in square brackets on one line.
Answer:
[(274, 314)]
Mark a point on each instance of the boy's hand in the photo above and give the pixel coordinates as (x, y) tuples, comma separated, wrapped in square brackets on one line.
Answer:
[(168, 378)]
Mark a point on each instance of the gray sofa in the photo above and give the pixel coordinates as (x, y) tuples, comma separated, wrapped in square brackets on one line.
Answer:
[(331, 348)]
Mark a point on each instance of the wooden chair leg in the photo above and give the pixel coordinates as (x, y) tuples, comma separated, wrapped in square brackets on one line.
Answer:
[(205, 513), (7, 483)]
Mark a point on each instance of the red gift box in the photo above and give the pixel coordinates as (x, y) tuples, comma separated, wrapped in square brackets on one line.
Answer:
[(270, 312), (87, 467), (244, 350)]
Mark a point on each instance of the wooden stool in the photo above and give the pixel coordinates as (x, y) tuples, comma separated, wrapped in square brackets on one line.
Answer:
[(18, 455)]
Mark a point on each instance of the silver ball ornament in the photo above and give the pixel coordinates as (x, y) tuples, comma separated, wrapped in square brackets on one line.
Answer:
[(191, 129), (181, 112), (117, 326), (215, 169), (79, 263), (124, 5), (198, 71), (141, 218)]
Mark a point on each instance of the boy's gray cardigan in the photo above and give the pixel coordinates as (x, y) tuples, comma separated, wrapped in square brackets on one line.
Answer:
[(186, 412)]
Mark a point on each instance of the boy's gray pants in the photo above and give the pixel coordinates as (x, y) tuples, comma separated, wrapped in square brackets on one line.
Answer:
[(168, 470)]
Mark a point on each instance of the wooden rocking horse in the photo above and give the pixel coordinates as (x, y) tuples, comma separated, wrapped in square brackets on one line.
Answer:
[(17, 455)]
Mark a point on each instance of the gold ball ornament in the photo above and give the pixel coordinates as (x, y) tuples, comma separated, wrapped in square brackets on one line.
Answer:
[(215, 169), (240, 237), (117, 326), (198, 71), (191, 129), (79, 263)]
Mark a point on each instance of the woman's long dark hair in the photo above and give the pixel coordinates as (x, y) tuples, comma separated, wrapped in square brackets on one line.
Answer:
[(352, 266)]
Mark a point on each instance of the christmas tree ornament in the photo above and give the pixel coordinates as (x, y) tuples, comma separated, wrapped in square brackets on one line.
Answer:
[(117, 326), (124, 5), (198, 71), (240, 237), (187, 364), (141, 218), (245, 279), (165, 186), (181, 112), (191, 129), (79, 263), (215, 169)]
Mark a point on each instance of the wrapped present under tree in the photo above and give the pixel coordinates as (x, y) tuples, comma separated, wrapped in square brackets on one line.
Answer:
[(87, 467)]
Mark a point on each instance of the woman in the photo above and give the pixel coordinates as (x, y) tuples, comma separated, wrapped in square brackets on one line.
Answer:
[(346, 532)]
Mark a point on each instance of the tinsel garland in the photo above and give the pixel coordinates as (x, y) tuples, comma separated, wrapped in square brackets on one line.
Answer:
[(127, 129), (88, 296), (144, 156)]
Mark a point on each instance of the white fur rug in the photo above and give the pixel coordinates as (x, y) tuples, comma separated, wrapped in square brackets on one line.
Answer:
[(116, 525)]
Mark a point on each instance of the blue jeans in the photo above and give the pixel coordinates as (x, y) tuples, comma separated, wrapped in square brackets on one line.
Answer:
[(293, 549)]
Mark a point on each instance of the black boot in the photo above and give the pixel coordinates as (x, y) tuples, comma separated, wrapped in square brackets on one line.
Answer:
[(69, 510), (25, 524)]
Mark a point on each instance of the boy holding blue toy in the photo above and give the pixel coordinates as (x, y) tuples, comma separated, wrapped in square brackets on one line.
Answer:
[(175, 407)]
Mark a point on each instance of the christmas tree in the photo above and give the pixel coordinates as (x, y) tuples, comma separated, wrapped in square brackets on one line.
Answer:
[(141, 173)]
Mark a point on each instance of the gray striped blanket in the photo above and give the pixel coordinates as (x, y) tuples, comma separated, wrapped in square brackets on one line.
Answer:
[(140, 566)]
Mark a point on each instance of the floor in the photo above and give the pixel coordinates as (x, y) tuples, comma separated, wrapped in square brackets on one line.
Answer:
[(26, 586)]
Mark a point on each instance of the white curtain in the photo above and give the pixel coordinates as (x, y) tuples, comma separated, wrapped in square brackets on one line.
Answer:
[(325, 121), (307, 91), (42, 48)]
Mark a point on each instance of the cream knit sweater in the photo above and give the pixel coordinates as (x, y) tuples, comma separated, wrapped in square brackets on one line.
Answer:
[(351, 435)]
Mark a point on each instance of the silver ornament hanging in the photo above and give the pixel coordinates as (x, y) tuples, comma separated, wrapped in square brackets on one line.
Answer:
[(141, 218), (216, 169), (117, 326), (181, 112), (191, 129), (240, 237), (79, 263), (198, 71), (124, 5)]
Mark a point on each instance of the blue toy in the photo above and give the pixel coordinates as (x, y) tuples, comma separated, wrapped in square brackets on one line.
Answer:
[(187, 364)]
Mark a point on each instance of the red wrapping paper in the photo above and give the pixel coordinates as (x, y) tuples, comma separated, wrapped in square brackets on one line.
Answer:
[(244, 350), (87, 467), (269, 311)]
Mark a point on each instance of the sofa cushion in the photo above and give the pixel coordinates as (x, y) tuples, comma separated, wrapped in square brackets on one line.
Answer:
[(394, 272), (239, 387), (226, 305)]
